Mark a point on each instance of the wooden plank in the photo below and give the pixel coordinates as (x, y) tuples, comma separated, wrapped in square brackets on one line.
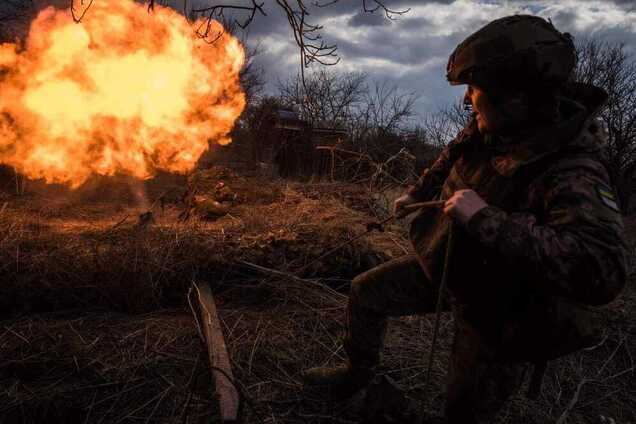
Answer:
[(219, 359)]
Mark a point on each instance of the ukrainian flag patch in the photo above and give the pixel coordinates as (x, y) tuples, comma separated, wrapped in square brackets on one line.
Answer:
[(607, 197)]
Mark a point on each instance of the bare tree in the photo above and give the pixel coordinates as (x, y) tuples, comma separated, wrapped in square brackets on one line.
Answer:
[(443, 125), (386, 108), (325, 97), (307, 35), (347, 100), (437, 129), (252, 76), (380, 125), (611, 67), (458, 114), (312, 47)]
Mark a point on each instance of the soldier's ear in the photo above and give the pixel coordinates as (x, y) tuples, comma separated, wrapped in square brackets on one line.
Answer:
[(468, 103)]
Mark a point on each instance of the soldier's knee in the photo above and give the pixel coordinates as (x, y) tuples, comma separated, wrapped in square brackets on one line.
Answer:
[(357, 287), (362, 289), (374, 288)]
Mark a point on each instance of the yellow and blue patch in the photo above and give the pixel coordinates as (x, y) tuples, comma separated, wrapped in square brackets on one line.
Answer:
[(608, 197)]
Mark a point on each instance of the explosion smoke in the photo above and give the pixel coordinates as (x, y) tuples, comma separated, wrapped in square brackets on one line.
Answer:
[(124, 91)]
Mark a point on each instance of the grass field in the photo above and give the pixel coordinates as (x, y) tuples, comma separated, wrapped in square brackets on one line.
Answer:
[(96, 326)]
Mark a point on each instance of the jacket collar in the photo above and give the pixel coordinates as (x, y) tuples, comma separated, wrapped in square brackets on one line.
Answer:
[(579, 108)]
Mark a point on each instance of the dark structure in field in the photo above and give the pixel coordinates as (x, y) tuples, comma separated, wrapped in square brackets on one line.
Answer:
[(289, 142)]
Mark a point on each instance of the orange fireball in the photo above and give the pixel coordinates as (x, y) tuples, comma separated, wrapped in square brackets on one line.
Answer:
[(124, 91)]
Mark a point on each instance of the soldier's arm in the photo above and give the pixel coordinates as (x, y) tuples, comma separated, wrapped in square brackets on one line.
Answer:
[(430, 182), (577, 250)]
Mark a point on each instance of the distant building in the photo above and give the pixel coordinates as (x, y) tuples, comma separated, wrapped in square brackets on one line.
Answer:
[(289, 142)]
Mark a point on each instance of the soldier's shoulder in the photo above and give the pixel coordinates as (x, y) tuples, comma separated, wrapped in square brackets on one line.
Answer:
[(583, 179), (574, 160)]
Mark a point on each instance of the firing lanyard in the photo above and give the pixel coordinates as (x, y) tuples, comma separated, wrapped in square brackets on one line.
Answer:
[(438, 306)]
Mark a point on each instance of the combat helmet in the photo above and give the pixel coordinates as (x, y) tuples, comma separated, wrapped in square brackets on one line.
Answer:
[(515, 51)]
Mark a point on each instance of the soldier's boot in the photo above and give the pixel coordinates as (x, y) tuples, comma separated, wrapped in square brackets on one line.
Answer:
[(345, 380), (342, 381)]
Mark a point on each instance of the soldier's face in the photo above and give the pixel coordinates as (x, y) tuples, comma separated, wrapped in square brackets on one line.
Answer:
[(495, 118), (485, 112)]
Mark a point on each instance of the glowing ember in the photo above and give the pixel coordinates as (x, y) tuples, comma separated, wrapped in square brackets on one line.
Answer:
[(124, 91)]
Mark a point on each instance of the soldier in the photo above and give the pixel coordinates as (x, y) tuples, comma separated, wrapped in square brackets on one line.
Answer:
[(538, 235)]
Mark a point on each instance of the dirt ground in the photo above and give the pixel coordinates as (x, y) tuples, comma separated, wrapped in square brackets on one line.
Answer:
[(96, 326)]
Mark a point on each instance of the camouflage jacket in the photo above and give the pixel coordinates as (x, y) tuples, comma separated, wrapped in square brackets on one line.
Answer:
[(549, 243)]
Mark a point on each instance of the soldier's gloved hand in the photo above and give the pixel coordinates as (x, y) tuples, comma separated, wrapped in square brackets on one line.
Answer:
[(400, 202), (463, 204)]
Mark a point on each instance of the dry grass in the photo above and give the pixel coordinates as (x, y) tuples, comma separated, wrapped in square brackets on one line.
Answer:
[(273, 340), (108, 360), (79, 255), (99, 366)]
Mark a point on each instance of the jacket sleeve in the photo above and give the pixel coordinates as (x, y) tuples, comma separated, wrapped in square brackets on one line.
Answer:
[(430, 183), (576, 249)]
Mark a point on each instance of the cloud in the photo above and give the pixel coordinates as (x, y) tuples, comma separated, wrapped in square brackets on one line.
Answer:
[(412, 50), (367, 19), (612, 22)]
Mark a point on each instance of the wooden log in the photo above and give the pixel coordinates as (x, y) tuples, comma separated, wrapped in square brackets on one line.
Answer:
[(226, 392)]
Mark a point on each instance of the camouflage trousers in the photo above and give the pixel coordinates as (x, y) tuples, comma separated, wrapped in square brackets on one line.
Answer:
[(477, 385)]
